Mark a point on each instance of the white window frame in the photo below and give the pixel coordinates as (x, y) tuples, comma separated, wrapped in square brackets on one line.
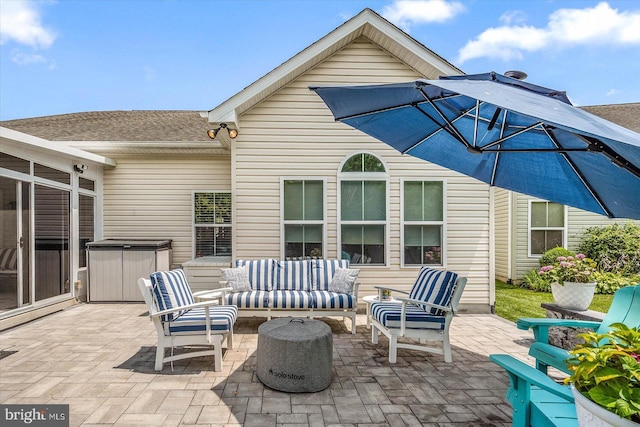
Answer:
[(92, 195), (322, 222), (564, 229), (364, 176), (443, 224), (193, 218)]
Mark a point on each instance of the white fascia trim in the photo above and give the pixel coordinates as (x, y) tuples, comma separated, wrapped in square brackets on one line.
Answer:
[(59, 147), (148, 146)]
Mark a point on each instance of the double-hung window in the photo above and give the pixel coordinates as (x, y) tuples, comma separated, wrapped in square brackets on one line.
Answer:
[(303, 218), (211, 223), (363, 209), (423, 222), (547, 226)]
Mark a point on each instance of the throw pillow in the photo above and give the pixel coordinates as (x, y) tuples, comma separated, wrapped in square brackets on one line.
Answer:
[(343, 280), (237, 279)]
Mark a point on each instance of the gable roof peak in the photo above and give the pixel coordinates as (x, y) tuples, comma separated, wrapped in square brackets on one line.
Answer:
[(367, 23)]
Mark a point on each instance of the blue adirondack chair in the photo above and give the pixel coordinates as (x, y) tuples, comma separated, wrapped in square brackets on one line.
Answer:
[(537, 400), (625, 308)]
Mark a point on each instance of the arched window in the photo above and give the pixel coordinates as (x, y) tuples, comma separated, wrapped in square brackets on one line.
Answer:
[(363, 209)]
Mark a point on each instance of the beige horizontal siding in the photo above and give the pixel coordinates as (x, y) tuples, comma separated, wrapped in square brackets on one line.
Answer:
[(524, 263), (502, 224), (150, 197), (293, 133), (578, 221)]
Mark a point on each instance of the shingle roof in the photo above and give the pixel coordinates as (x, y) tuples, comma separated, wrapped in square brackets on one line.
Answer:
[(129, 126), (188, 126), (627, 115)]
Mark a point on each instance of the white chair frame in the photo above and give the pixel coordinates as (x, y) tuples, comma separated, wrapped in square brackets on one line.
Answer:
[(207, 338), (424, 335)]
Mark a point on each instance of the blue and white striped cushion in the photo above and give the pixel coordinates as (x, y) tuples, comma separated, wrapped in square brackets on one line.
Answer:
[(293, 275), (323, 271), (171, 290), (260, 272), (290, 299), (8, 259), (389, 313), (435, 287), (328, 299), (249, 299), (194, 320)]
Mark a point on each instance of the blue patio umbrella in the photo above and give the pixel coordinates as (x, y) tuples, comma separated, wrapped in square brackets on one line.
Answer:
[(505, 132)]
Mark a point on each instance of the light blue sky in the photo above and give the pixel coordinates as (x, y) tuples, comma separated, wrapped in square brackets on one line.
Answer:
[(70, 56)]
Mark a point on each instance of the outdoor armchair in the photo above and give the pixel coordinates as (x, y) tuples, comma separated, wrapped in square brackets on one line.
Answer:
[(425, 314), (536, 399), (181, 321), (625, 308)]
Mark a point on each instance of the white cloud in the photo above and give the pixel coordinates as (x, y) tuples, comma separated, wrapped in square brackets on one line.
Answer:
[(504, 43), (21, 58), (612, 92), (404, 13), (600, 24), (513, 17), (20, 22)]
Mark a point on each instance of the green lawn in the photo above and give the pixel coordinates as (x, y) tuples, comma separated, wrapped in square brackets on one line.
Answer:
[(513, 302)]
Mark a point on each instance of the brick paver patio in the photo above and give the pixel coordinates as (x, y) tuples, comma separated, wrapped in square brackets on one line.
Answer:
[(98, 358)]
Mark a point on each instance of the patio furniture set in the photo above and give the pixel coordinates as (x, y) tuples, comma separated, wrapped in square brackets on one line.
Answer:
[(295, 354), (303, 288)]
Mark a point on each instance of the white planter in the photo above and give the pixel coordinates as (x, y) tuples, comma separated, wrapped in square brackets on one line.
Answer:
[(574, 296), (590, 414)]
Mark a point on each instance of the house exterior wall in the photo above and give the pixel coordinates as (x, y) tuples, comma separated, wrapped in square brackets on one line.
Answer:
[(578, 221), (502, 200), (293, 134), (150, 197)]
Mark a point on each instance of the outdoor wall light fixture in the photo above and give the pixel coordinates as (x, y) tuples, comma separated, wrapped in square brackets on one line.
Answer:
[(233, 133), (80, 168)]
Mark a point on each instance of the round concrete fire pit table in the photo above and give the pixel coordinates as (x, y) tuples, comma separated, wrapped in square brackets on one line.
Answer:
[(295, 355)]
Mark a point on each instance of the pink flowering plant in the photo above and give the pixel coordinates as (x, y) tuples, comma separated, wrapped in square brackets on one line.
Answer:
[(576, 268)]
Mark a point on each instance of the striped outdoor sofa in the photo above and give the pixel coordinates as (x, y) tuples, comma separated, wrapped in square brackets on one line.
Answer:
[(181, 321), (293, 288)]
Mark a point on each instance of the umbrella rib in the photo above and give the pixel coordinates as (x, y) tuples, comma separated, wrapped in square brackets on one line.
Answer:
[(597, 146), (475, 123), (380, 110), (578, 172), (441, 127), (501, 140), (495, 162), (449, 127)]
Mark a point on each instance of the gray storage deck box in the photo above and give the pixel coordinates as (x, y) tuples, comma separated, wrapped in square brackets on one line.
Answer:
[(115, 265)]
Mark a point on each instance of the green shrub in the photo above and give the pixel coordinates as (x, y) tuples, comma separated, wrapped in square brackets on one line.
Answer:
[(550, 256), (536, 282), (609, 282), (615, 247)]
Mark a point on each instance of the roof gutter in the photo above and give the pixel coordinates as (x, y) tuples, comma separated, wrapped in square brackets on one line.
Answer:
[(150, 147)]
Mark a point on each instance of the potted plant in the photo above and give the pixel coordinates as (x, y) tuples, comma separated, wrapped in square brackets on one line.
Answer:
[(572, 283), (605, 377)]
